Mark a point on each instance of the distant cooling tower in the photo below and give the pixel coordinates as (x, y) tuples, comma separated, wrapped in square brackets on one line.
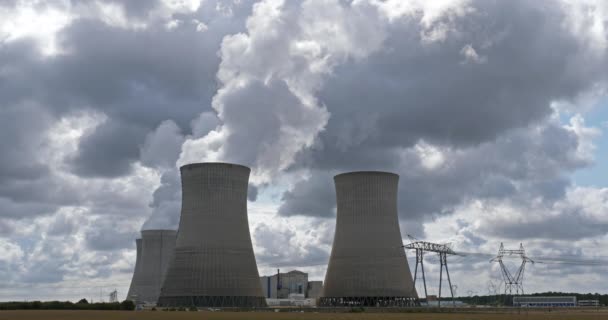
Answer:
[(214, 264), (151, 265), (132, 295), (367, 266)]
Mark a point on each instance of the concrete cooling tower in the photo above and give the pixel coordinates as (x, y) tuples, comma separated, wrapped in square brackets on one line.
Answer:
[(214, 264), (132, 295), (367, 266), (156, 252)]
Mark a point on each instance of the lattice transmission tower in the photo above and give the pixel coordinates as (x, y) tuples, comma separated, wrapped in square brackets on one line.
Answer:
[(514, 282), (443, 250), (114, 296)]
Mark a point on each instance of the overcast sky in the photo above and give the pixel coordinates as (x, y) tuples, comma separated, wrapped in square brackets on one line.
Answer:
[(493, 113)]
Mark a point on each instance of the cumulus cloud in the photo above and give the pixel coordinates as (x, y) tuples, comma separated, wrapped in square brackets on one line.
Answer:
[(162, 146), (166, 203), (270, 77), (470, 55), (80, 123), (457, 131), (108, 151), (480, 106), (319, 187), (577, 215), (279, 243)]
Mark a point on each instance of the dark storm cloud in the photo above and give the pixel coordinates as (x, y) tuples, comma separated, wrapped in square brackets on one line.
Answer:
[(482, 96), (137, 8), (62, 226), (47, 271), (137, 78), (517, 166), (281, 248), (19, 143), (561, 227), (18, 210), (6, 228), (489, 116), (411, 90), (109, 235), (313, 197), (25, 190), (571, 223), (126, 72), (522, 165), (109, 150)]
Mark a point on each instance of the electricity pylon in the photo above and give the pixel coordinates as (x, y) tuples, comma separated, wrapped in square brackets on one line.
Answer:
[(513, 282), (443, 250)]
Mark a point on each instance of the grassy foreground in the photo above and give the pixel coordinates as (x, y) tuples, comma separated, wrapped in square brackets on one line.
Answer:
[(154, 315)]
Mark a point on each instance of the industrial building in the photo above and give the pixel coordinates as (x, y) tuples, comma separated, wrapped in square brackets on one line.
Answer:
[(132, 294), (589, 303), (367, 265), (214, 264), (539, 301), (280, 285), (292, 283), (156, 252), (294, 300), (314, 289)]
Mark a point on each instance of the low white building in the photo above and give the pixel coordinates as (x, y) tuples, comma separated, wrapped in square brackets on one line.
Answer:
[(588, 303), (292, 302), (548, 301), (284, 285), (279, 286)]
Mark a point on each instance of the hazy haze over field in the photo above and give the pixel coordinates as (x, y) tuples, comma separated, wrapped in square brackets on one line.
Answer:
[(491, 112)]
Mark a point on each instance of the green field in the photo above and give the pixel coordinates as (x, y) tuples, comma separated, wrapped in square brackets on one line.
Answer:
[(153, 315)]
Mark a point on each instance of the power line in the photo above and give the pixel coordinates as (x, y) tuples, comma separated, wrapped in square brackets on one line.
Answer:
[(541, 259)]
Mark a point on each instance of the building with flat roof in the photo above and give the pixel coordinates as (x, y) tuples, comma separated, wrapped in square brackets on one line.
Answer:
[(281, 285), (540, 301), (287, 285), (314, 290), (588, 303)]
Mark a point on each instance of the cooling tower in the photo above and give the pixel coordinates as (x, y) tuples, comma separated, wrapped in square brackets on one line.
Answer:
[(214, 264), (156, 252), (132, 295), (367, 266)]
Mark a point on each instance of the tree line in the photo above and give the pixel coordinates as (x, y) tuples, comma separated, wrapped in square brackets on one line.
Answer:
[(83, 304)]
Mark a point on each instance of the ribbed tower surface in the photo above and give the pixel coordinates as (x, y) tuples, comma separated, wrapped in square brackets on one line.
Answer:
[(132, 295), (156, 252), (214, 264), (367, 265)]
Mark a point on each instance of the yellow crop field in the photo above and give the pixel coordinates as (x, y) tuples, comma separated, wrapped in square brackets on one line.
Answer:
[(179, 315)]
